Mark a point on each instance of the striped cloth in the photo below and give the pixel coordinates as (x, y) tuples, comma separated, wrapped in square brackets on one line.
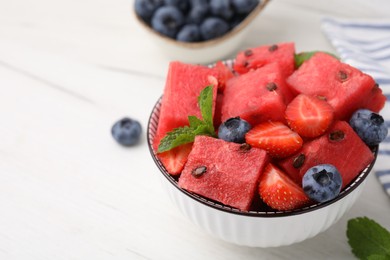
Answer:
[(365, 44)]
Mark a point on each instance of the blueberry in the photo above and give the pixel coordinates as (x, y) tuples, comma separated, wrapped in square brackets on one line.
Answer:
[(146, 8), (244, 6), (213, 27), (167, 20), (126, 131), (221, 8), (183, 5), (369, 126), (189, 33), (236, 20), (198, 11), (234, 130), (322, 182)]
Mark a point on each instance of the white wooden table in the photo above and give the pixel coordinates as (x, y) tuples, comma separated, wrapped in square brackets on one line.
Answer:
[(68, 71)]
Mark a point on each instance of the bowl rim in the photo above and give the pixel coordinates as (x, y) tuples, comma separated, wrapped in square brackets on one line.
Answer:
[(197, 45), (357, 181)]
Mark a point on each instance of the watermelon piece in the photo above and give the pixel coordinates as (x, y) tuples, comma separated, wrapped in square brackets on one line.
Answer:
[(180, 100), (223, 74), (340, 146), (223, 171), (375, 100), (218, 110), (257, 96), (345, 88), (254, 58)]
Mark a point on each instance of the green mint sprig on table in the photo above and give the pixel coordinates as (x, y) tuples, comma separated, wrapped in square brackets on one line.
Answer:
[(304, 56), (368, 239), (197, 126)]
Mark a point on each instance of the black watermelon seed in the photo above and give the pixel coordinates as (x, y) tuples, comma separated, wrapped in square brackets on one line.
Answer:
[(336, 135), (342, 76), (199, 171), (271, 86), (248, 53), (245, 147), (273, 47), (299, 160)]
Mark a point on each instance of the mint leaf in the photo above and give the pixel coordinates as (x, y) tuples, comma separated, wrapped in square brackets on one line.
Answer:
[(368, 239), (186, 134), (378, 257), (194, 121), (205, 100), (304, 56), (176, 137)]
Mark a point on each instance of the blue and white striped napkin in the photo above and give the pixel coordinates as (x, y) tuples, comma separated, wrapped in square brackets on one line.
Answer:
[(365, 44)]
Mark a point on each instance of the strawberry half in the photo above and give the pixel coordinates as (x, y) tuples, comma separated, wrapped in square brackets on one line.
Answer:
[(175, 159), (309, 116), (274, 137), (279, 192)]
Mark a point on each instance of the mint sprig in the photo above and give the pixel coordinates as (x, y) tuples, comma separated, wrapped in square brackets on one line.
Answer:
[(197, 126), (368, 239), (301, 57)]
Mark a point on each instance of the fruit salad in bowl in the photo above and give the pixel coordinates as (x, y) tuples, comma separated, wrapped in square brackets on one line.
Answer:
[(270, 148)]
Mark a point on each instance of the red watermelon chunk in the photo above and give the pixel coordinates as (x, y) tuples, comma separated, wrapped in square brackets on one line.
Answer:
[(257, 96), (375, 99), (254, 58), (223, 74), (218, 110), (345, 88), (227, 172), (180, 100), (341, 147), (183, 86)]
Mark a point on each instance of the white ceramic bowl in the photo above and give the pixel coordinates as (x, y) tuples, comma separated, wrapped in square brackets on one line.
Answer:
[(255, 228), (207, 51)]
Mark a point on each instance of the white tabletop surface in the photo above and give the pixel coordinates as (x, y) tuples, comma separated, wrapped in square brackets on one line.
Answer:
[(68, 70)]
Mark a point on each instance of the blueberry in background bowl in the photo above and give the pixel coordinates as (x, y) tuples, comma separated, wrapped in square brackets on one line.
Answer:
[(167, 20), (145, 9), (214, 17), (197, 31)]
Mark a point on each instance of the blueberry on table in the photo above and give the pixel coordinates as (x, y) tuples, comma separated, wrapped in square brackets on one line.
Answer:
[(189, 33), (234, 130), (126, 131), (146, 8), (221, 8), (244, 6), (198, 11), (369, 126), (213, 27), (322, 183), (167, 20)]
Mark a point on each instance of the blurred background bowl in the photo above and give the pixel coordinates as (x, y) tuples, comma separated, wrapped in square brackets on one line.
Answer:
[(205, 51)]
